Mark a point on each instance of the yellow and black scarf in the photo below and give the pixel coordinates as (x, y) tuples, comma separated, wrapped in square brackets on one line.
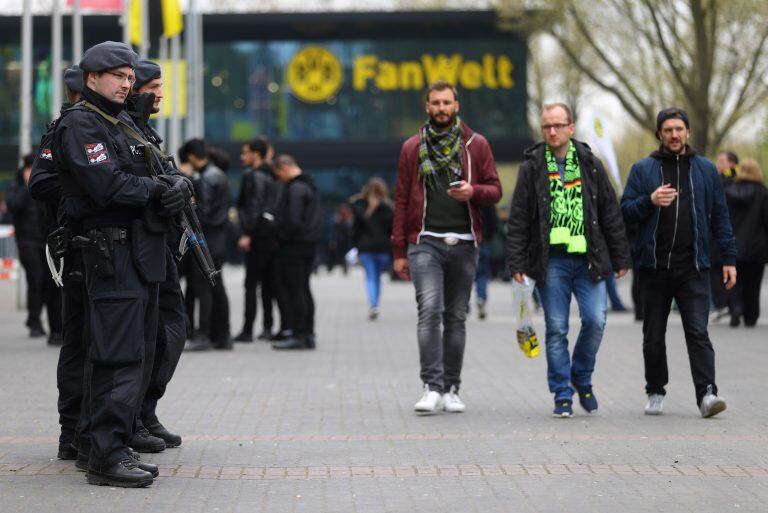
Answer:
[(567, 207)]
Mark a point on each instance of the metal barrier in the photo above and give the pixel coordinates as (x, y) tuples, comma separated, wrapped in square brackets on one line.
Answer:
[(10, 268)]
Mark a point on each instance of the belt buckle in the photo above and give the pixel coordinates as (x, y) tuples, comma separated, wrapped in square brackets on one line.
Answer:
[(451, 241)]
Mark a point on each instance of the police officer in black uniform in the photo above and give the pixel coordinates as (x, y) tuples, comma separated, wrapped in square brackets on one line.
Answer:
[(44, 186), (115, 206), (173, 327)]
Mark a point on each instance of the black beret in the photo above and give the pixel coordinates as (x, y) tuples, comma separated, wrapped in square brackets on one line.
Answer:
[(108, 55), (146, 71), (73, 78), (671, 113)]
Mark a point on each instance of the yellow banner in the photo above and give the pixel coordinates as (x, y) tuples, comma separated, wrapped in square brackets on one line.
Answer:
[(135, 24), (173, 22)]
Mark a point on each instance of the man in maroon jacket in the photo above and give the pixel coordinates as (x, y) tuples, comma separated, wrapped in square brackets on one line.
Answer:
[(446, 172)]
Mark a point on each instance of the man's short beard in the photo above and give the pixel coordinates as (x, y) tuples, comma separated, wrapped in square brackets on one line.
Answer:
[(436, 124)]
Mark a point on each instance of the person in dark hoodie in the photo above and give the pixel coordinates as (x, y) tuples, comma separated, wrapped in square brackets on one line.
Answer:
[(675, 198), (29, 225), (747, 199), (299, 223), (565, 232)]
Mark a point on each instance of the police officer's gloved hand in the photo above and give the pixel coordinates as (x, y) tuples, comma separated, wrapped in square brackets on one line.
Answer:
[(179, 182), (172, 202)]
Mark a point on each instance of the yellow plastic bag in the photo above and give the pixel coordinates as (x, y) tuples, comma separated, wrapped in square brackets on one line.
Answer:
[(522, 300)]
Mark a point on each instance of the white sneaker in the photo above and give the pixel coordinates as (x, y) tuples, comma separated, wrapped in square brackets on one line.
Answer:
[(655, 404), (711, 405), (430, 401), (452, 402)]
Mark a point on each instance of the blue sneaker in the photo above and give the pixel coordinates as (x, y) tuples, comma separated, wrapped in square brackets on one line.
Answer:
[(587, 399), (563, 408)]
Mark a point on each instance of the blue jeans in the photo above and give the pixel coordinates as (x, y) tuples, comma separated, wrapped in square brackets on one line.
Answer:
[(442, 276), (483, 273), (566, 276), (374, 264)]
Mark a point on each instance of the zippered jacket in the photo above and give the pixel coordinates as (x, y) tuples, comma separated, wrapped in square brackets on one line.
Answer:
[(477, 167), (530, 218), (709, 212)]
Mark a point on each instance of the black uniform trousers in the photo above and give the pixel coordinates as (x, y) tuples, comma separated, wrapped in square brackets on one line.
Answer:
[(262, 267), (690, 289), (214, 303), (122, 322), (70, 369), (171, 334), (295, 270)]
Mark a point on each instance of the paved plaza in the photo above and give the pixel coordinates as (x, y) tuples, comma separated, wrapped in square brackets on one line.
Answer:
[(333, 430)]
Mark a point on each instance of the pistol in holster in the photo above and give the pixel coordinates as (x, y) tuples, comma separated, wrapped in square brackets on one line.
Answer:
[(96, 246)]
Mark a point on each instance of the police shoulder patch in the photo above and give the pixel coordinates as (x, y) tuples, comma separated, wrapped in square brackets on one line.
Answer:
[(96, 153), (46, 154)]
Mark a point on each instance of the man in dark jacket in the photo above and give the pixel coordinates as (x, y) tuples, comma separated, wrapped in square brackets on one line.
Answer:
[(256, 207), (445, 174), (29, 222), (565, 232), (674, 197), (299, 222), (213, 200)]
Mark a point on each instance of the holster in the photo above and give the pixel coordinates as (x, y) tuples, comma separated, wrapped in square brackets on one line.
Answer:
[(58, 242)]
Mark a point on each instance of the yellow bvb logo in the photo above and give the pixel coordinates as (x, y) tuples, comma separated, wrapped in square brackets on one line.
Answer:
[(314, 74), (598, 128)]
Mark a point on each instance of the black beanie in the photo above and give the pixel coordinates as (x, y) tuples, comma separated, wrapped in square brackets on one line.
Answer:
[(671, 113)]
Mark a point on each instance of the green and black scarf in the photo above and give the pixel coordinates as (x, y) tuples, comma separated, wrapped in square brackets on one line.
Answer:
[(440, 152), (567, 217)]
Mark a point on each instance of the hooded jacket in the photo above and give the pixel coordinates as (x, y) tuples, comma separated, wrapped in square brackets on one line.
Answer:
[(299, 217), (478, 169), (748, 209), (529, 218), (709, 212)]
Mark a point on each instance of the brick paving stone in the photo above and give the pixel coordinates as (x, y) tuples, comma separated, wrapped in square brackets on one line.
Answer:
[(332, 430)]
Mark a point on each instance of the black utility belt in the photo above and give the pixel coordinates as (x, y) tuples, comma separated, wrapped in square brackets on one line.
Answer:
[(112, 233)]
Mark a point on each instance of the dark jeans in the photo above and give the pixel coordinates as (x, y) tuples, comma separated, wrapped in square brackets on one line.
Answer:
[(691, 291), (483, 273), (262, 267), (745, 297), (295, 270), (442, 276)]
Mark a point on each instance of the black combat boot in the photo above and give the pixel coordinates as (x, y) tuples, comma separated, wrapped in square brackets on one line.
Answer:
[(146, 467), (125, 474), (142, 441), (158, 430), (66, 451)]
